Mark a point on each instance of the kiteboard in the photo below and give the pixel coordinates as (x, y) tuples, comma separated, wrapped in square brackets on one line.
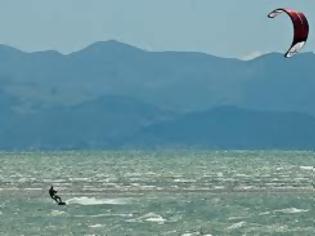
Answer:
[(61, 203)]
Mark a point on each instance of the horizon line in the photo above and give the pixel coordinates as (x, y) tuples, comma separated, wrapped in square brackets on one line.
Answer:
[(249, 57)]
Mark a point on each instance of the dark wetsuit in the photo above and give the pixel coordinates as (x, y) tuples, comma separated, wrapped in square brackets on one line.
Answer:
[(53, 195)]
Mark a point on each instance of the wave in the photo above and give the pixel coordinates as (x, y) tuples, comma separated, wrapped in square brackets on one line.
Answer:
[(291, 210), (237, 225), (307, 167), (96, 226), (149, 217), (195, 234), (57, 213)]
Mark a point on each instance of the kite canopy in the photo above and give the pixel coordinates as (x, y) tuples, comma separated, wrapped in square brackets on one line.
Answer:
[(301, 29)]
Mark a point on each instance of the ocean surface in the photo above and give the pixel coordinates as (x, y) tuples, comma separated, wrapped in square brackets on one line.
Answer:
[(182, 193)]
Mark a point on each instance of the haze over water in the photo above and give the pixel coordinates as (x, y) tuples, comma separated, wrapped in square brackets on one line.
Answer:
[(158, 193)]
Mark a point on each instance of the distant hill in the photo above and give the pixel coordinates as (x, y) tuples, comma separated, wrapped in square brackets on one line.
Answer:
[(100, 123), (113, 95), (231, 128)]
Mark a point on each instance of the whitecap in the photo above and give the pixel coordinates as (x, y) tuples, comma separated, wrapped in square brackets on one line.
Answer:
[(184, 180), (195, 234), (307, 167), (148, 186), (123, 215), (245, 187), (55, 181), (126, 215), (237, 225), (237, 217), (79, 179), (241, 175), (264, 213), (96, 226), (57, 213), (170, 232), (191, 234), (291, 210), (22, 180), (220, 174), (156, 220), (11, 189), (150, 217), (219, 187), (94, 201), (33, 189)]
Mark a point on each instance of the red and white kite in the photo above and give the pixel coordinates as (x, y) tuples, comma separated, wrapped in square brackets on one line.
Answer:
[(301, 29)]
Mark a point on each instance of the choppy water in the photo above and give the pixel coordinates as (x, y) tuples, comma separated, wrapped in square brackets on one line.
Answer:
[(151, 193)]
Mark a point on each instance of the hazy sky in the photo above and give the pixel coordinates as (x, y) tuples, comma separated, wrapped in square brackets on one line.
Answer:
[(229, 28)]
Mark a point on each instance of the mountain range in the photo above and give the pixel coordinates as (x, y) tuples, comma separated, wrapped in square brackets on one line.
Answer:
[(113, 95)]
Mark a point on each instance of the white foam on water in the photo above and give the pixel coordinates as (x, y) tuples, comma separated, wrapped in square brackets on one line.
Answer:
[(149, 217), (96, 226), (11, 189), (105, 215), (291, 210), (220, 174), (33, 189), (156, 220), (22, 180), (148, 186), (86, 201), (307, 167), (241, 175), (92, 216), (54, 181), (152, 217), (195, 234), (219, 187), (191, 234), (79, 179), (264, 213), (184, 181), (238, 217), (57, 213), (122, 215), (114, 185), (281, 229), (237, 225), (245, 187), (171, 232)]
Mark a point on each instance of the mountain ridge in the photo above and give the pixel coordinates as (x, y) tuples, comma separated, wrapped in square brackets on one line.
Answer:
[(144, 89)]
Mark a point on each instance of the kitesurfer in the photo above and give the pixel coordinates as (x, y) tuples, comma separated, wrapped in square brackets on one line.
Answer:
[(52, 193)]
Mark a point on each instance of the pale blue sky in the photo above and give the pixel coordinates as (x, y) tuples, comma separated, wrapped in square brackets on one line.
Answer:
[(228, 28)]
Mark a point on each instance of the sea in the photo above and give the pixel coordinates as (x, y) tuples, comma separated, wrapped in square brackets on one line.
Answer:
[(180, 193)]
